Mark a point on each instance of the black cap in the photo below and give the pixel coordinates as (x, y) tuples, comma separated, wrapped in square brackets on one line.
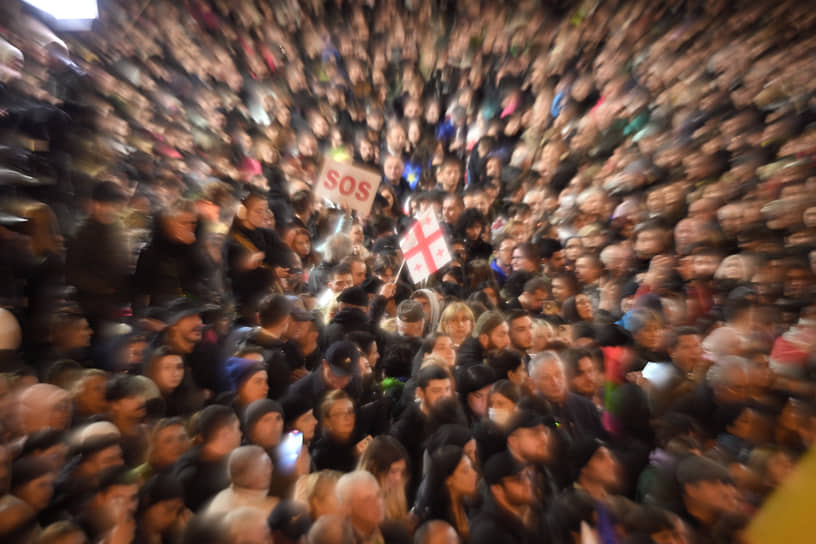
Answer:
[(696, 468), (355, 296), (108, 191), (528, 419), (343, 357), (257, 409), (290, 518), (500, 466), (181, 308), (410, 311), (581, 451)]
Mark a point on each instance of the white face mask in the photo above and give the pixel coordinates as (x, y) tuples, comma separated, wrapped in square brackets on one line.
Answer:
[(499, 416)]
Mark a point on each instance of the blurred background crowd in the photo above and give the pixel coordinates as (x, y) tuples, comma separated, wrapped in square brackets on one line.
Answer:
[(196, 348)]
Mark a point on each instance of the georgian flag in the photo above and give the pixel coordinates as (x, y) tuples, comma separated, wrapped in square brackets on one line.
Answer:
[(424, 248)]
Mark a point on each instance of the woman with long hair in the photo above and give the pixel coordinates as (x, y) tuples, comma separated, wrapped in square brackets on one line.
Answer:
[(450, 485), (387, 460)]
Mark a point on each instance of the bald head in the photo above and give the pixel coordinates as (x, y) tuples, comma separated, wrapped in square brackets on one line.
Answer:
[(250, 467), (436, 532), (331, 529), (44, 406)]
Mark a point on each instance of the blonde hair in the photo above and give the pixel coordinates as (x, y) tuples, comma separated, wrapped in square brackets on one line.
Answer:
[(309, 486), (452, 310), (41, 227)]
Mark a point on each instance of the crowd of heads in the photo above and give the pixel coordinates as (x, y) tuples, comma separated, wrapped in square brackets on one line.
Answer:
[(196, 347)]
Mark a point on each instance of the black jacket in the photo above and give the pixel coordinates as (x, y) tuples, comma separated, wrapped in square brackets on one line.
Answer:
[(97, 265), (328, 453), (494, 525), (248, 285), (471, 353), (579, 417), (202, 480), (278, 364), (167, 270), (344, 322)]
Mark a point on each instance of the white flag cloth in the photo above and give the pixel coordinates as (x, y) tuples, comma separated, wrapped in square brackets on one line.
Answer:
[(424, 247)]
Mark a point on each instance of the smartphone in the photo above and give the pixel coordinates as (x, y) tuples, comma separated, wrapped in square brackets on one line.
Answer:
[(289, 451)]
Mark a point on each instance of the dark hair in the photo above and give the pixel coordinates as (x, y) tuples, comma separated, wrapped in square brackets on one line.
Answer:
[(535, 284), (119, 475), (122, 386), (41, 440), (507, 389), (674, 335), (383, 452), (341, 269), (504, 362), (272, 309), (571, 359), (212, 419), (429, 373)]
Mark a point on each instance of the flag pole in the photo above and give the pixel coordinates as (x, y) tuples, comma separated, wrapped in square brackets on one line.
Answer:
[(397, 275)]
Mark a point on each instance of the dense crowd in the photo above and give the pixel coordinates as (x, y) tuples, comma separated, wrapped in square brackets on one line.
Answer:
[(196, 348)]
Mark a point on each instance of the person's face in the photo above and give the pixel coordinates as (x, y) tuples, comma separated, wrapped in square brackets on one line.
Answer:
[(561, 290), (584, 307), (257, 211), (451, 210), (459, 327), (302, 245), (396, 138), (520, 261), (474, 231), (410, 329), (91, 398), (358, 273), (477, 401), (162, 515), (181, 228), (434, 392), (393, 168), (169, 372), (189, 328), (306, 424), (366, 150), (268, 430), (341, 282), (533, 444), (713, 495), (449, 176), (367, 506), (499, 337), (649, 243), (505, 251), (168, 445), (550, 381), (228, 437), (255, 388), (396, 476), (340, 419), (131, 408), (38, 492), (603, 467), (586, 270), (521, 332), (464, 478), (587, 378), (518, 489), (443, 347), (573, 249), (334, 381), (688, 352), (650, 335)]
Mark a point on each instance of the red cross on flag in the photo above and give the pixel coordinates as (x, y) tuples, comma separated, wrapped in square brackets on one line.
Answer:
[(424, 248)]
